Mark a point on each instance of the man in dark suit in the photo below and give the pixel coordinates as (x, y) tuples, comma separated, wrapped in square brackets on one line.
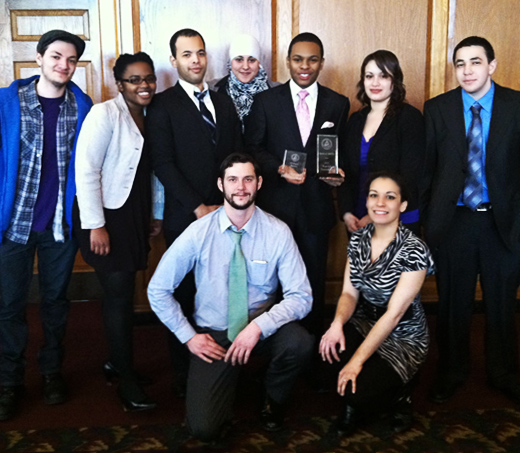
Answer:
[(470, 204), (189, 132), (303, 201)]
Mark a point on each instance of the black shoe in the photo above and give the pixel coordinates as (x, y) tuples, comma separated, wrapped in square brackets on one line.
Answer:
[(112, 374), (272, 415), (442, 390), (10, 397), (347, 422), (401, 419), (133, 397), (54, 389)]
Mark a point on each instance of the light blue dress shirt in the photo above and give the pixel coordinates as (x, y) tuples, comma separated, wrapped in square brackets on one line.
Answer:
[(486, 102), (206, 246)]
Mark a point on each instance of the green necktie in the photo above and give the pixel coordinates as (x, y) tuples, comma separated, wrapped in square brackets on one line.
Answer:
[(237, 307)]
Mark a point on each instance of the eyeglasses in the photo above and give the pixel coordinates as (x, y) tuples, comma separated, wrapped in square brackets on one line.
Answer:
[(136, 80)]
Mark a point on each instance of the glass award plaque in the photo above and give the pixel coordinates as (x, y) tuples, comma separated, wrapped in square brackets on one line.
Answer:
[(327, 156), (295, 160)]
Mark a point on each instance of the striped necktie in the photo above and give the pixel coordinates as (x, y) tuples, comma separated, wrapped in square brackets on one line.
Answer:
[(206, 115), (472, 195)]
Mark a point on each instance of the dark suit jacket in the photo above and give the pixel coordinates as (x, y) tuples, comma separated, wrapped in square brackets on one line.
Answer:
[(183, 156), (271, 128), (398, 146), (446, 163)]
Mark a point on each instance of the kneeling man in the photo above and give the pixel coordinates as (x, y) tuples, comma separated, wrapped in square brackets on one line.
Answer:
[(239, 255)]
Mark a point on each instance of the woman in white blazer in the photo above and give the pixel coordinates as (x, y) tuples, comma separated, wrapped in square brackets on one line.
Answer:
[(114, 186)]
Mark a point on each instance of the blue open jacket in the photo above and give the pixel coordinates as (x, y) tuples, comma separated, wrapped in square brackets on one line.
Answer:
[(10, 149)]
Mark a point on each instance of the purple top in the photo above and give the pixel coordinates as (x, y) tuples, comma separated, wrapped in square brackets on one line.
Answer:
[(45, 206), (360, 209)]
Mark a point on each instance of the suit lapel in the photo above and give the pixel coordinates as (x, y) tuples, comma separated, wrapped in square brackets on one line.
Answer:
[(385, 126), (219, 113), (126, 116), (288, 116), (500, 119), (453, 114), (188, 106)]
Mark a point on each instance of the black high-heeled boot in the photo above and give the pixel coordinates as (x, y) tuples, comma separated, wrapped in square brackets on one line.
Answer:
[(133, 397), (347, 421), (401, 418)]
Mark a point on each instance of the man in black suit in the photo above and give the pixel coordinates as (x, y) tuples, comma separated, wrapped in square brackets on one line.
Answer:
[(189, 132), (303, 201), (470, 204)]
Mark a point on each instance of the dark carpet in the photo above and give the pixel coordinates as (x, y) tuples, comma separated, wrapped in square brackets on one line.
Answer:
[(477, 419)]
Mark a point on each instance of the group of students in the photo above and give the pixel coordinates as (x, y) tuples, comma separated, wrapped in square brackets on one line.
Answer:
[(237, 279)]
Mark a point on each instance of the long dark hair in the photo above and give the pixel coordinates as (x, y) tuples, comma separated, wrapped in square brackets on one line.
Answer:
[(388, 63)]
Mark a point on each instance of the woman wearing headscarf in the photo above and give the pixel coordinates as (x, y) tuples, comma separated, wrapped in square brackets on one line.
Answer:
[(246, 77)]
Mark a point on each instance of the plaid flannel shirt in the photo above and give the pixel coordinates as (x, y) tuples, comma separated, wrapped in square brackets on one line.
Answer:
[(30, 162)]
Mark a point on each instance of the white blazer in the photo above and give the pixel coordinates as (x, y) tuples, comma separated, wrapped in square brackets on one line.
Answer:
[(107, 155)]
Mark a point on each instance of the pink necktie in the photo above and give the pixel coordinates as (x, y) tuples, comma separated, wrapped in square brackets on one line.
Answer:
[(303, 116)]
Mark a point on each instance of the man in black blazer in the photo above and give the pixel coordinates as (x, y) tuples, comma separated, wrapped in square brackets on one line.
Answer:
[(188, 139), (470, 203), (303, 201), (186, 154)]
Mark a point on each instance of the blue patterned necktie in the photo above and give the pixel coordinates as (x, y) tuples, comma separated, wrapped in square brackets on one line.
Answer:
[(206, 115), (237, 289), (472, 195)]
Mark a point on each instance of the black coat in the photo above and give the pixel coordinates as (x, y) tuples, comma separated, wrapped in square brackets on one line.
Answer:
[(398, 147), (271, 128), (446, 163), (183, 156)]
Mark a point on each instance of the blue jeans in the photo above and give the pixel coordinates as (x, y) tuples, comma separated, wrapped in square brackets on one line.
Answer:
[(55, 263)]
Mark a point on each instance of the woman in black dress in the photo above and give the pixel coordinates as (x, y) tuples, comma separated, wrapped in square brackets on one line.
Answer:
[(113, 180), (386, 134), (380, 326)]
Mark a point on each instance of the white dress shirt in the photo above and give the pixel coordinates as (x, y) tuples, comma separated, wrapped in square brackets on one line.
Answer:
[(189, 88)]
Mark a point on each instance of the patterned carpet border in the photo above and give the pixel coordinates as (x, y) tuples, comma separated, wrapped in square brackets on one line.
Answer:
[(493, 431)]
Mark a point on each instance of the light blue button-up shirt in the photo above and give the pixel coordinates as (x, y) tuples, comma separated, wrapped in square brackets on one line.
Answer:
[(486, 102), (206, 246)]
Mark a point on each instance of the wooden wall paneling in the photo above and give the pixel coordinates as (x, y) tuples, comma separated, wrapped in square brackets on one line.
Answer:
[(24, 21), (435, 77), (497, 21), (284, 30), (351, 29), (29, 25), (217, 21), (110, 46)]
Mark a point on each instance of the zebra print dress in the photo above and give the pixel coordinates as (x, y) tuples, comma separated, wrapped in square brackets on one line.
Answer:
[(406, 347)]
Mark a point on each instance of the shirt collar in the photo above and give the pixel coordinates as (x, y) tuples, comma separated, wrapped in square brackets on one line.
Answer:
[(295, 89), (225, 223), (485, 101), (189, 88), (32, 95)]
